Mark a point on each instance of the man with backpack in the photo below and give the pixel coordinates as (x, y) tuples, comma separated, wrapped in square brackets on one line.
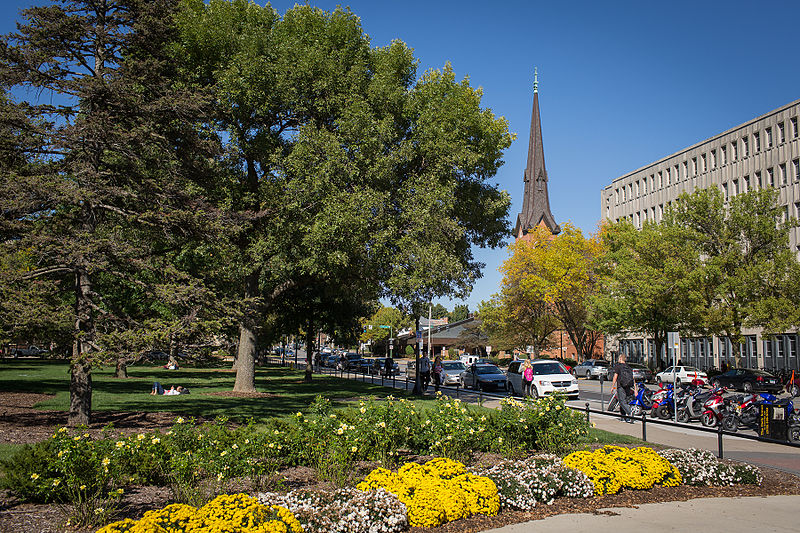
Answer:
[(623, 382)]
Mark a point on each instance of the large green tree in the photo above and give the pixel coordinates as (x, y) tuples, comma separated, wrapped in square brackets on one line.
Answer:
[(749, 273), (343, 169), (649, 281), (109, 188)]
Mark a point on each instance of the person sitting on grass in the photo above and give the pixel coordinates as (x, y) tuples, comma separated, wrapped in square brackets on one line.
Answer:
[(173, 391)]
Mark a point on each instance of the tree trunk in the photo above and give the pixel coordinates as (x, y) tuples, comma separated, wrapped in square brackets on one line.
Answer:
[(121, 370), (660, 342), (80, 394), (173, 350), (246, 370), (309, 352), (246, 357), (737, 352), (80, 385)]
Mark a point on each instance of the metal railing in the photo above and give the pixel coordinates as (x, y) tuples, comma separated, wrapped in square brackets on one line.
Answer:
[(483, 395)]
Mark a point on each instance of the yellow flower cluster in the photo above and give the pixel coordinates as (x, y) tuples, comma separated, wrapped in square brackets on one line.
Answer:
[(612, 468), (439, 491), (235, 513)]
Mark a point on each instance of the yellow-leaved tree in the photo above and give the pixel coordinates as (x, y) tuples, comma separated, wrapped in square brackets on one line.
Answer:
[(547, 282)]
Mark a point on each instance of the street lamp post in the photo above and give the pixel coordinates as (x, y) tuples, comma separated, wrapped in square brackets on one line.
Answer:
[(391, 336)]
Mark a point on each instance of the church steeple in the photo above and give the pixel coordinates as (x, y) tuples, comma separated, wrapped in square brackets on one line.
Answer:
[(536, 202)]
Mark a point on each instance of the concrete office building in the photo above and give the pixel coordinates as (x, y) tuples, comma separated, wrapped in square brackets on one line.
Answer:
[(764, 152)]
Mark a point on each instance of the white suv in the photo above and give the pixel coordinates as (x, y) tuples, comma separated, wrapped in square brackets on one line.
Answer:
[(549, 376)]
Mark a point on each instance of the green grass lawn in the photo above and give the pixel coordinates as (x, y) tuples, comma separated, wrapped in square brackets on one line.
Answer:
[(133, 394), (291, 394), (603, 437)]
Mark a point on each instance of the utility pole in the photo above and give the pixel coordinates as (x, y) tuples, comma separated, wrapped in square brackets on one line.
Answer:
[(430, 313)]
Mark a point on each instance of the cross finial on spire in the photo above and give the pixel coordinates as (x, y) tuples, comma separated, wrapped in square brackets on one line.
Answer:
[(535, 80)]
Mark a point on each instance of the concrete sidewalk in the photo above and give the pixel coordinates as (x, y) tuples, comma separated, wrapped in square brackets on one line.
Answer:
[(733, 515)]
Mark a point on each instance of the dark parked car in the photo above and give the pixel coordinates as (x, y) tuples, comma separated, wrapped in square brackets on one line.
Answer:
[(641, 373), (363, 366), (485, 377), (379, 367), (349, 361), (748, 380)]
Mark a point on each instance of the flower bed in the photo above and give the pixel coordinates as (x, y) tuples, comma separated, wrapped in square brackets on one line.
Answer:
[(439, 491), (224, 514), (701, 467), (612, 468), (540, 478), (343, 511), (194, 460)]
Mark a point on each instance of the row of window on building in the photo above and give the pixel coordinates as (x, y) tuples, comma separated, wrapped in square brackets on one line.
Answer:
[(780, 352), (730, 189), (711, 160)]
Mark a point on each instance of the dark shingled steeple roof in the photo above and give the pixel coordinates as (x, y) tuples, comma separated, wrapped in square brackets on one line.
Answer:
[(536, 204)]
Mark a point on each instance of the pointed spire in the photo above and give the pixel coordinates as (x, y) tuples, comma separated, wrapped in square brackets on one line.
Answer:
[(536, 202)]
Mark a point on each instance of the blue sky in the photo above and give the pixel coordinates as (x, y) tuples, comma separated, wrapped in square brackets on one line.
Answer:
[(621, 83)]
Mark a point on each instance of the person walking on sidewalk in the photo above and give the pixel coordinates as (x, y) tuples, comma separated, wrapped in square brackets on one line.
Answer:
[(424, 372), (623, 383)]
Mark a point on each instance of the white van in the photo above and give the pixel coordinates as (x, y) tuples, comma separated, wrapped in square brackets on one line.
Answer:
[(469, 359)]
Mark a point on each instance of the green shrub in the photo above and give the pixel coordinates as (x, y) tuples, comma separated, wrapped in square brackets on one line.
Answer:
[(546, 424), (23, 471), (452, 429)]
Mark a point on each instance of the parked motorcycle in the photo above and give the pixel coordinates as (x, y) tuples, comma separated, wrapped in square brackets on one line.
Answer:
[(691, 405), (666, 404), (642, 402), (747, 407), (719, 410), (659, 397)]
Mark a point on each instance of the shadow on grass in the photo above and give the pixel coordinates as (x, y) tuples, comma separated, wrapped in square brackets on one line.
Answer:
[(288, 392)]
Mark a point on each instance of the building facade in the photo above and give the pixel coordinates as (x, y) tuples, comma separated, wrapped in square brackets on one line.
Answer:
[(763, 152)]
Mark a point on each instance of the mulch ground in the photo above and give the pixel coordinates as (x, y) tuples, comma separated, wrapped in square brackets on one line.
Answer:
[(20, 424)]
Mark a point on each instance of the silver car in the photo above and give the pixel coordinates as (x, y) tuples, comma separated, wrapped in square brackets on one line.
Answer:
[(452, 372), (592, 369)]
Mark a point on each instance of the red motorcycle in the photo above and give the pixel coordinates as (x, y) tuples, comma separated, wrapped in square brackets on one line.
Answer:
[(719, 410), (659, 396)]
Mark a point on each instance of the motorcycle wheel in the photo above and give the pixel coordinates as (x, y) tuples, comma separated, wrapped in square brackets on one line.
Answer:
[(729, 423), (662, 412), (795, 390), (683, 416), (708, 420), (794, 433), (636, 410)]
